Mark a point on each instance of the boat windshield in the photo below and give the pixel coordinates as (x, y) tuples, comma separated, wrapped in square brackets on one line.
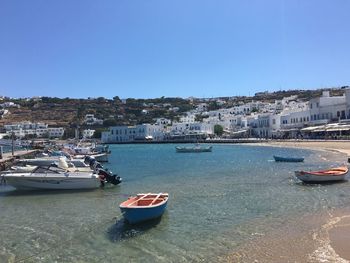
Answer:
[(48, 169)]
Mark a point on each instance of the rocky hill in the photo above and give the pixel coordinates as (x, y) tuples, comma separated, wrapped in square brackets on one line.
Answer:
[(69, 112)]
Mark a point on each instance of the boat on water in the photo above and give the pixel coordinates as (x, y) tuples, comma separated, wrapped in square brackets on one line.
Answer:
[(193, 149), (51, 178), (57, 176), (329, 175), (100, 157), (288, 159), (74, 164), (144, 207)]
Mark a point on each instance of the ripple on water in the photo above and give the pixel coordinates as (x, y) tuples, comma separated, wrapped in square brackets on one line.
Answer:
[(218, 202)]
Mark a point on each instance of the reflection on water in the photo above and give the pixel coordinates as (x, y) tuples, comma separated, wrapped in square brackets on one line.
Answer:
[(122, 230)]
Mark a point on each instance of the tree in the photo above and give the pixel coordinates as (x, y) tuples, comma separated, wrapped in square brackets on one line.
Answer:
[(116, 99), (109, 122), (218, 130), (98, 133)]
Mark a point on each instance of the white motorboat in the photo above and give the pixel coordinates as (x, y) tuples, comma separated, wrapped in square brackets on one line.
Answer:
[(58, 176), (53, 178), (63, 162), (100, 157)]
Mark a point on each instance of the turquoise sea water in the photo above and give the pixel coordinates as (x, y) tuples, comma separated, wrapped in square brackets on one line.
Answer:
[(217, 201)]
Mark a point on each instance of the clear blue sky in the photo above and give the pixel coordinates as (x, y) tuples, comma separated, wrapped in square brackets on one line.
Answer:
[(153, 48)]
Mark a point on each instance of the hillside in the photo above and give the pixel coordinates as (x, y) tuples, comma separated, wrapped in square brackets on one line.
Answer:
[(69, 112)]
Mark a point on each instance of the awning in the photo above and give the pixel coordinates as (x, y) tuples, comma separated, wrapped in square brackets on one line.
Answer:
[(311, 128), (338, 129), (332, 127), (239, 132)]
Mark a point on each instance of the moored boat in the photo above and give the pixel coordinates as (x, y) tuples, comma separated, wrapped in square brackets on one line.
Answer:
[(51, 178), (288, 159), (144, 207), (194, 149), (59, 176), (329, 175)]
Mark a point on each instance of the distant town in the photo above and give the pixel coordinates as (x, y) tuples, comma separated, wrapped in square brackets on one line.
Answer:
[(294, 114)]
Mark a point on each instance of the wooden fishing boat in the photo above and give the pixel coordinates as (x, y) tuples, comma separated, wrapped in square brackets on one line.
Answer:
[(144, 207), (288, 159), (194, 149), (329, 175)]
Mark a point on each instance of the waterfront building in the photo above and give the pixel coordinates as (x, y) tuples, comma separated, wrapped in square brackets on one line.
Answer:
[(139, 132), (328, 108), (191, 129), (39, 130)]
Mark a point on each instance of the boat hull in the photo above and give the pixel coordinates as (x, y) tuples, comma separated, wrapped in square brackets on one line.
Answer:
[(138, 215), (144, 207), (288, 159), (27, 183), (193, 150), (312, 178)]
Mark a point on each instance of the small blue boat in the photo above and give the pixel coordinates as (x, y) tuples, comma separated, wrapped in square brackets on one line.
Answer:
[(288, 159), (144, 207)]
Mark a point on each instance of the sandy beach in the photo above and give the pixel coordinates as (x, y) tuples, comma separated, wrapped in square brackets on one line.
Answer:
[(335, 146), (329, 239)]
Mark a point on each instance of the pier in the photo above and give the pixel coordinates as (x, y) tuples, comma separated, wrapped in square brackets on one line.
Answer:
[(7, 159)]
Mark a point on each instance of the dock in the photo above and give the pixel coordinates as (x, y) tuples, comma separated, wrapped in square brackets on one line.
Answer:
[(8, 159)]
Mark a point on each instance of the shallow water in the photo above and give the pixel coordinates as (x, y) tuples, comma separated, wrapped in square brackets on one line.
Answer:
[(218, 201)]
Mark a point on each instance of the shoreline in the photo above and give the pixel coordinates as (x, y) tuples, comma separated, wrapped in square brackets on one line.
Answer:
[(333, 146), (333, 231)]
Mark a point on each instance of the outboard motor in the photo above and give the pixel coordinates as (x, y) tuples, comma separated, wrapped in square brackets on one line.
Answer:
[(87, 159), (108, 177)]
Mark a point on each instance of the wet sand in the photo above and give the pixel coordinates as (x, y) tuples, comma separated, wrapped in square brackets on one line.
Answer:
[(338, 227), (312, 238), (316, 238), (334, 146)]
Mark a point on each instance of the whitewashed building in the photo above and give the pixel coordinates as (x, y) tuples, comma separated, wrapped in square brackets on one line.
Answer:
[(326, 108), (117, 134), (23, 129), (88, 133), (91, 120), (195, 128), (188, 118)]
